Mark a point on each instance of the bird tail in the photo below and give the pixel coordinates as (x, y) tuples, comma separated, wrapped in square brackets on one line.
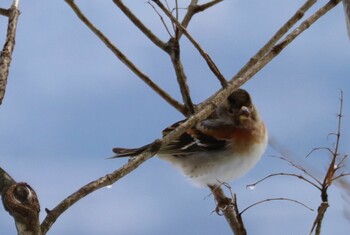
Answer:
[(124, 152)]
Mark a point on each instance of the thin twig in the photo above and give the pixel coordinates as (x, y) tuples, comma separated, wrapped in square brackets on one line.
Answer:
[(194, 8), (163, 22), (274, 51), (205, 55), (138, 23), (180, 75), (340, 176), (318, 148), (276, 199), (7, 50), (299, 167), (284, 174), (125, 60), (331, 170), (329, 176)]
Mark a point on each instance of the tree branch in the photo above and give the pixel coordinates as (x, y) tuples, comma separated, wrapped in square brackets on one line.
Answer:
[(194, 8), (274, 51), (229, 210), (180, 75), (277, 36), (125, 60), (205, 56), (6, 53), (140, 25)]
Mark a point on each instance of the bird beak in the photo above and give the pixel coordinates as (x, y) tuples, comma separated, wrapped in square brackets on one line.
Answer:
[(244, 112)]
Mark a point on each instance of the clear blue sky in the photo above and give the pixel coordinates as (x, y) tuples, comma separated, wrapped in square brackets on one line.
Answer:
[(69, 101)]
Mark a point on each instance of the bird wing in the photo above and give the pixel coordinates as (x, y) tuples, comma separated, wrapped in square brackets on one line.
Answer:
[(191, 141)]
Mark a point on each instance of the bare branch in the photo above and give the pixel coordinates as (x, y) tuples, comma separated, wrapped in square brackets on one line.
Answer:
[(140, 25), (331, 169), (6, 53), (192, 9), (104, 181), (181, 76), (162, 20), (225, 206), (277, 36), (320, 215), (284, 174), (258, 65), (299, 167), (329, 177), (241, 77), (206, 57), (207, 5), (125, 60), (340, 176), (276, 199), (318, 148)]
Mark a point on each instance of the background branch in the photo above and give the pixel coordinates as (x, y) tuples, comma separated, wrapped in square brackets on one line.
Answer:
[(138, 23), (6, 53), (125, 60), (205, 55)]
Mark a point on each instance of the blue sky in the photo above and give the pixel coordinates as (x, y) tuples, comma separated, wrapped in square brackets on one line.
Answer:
[(69, 101)]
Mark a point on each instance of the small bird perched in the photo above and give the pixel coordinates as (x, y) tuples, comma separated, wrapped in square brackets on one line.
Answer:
[(220, 148)]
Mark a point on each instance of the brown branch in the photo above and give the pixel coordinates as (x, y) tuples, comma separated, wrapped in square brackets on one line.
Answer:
[(299, 167), (331, 169), (193, 9), (277, 36), (20, 200), (104, 181), (205, 55), (207, 5), (228, 209), (286, 41), (172, 48), (320, 215), (125, 60), (6, 53), (151, 36), (181, 76), (162, 20), (329, 176), (283, 174), (275, 199)]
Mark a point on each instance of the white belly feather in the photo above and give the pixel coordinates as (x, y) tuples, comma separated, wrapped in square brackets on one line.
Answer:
[(214, 168)]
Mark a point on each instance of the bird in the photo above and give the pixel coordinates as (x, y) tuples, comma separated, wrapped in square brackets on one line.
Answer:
[(219, 149)]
